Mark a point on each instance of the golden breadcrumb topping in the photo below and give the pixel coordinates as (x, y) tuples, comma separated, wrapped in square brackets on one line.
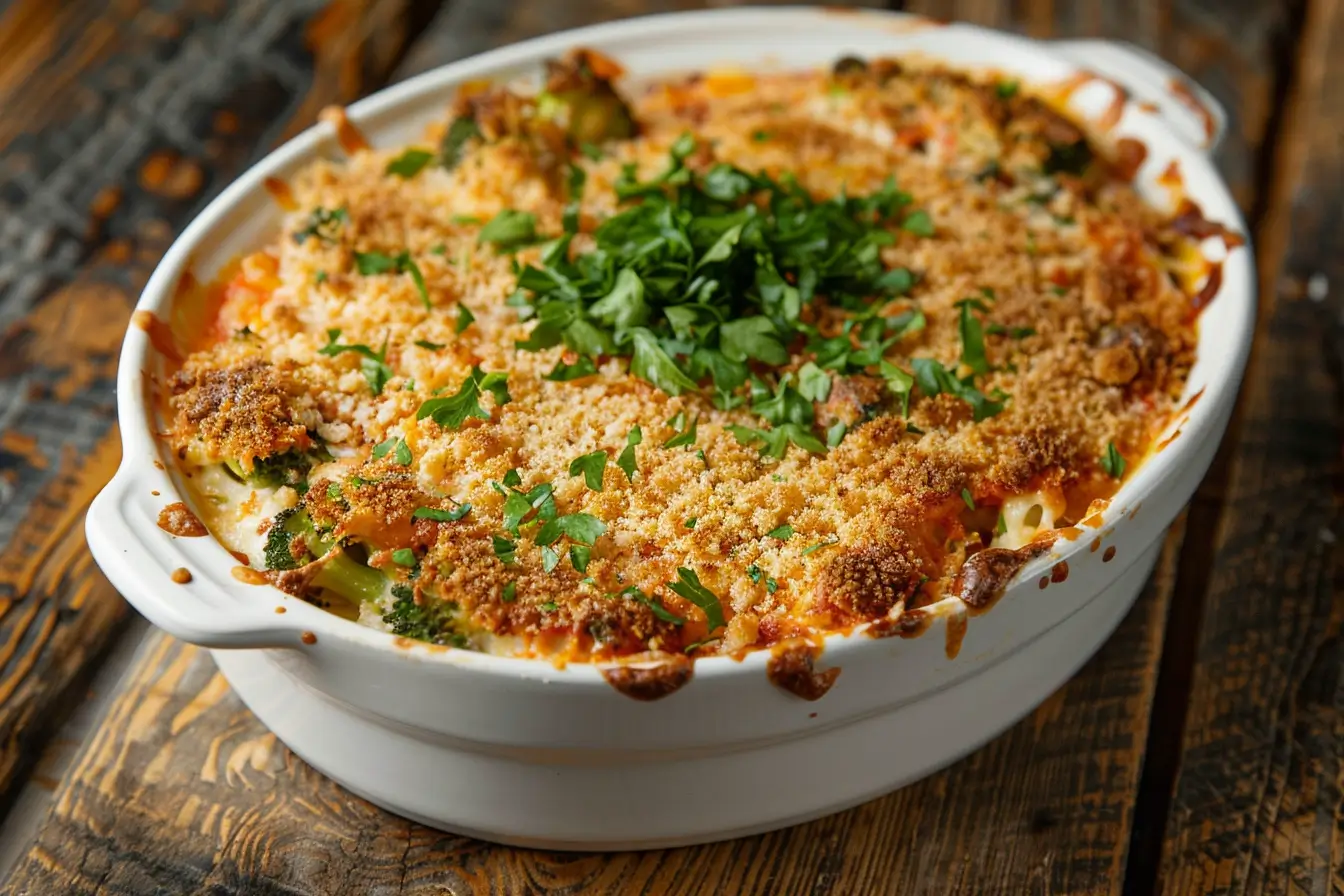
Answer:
[(396, 398)]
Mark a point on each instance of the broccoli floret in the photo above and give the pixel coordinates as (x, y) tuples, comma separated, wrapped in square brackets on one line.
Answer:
[(433, 621), (287, 468), (351, 579), (280, 538)]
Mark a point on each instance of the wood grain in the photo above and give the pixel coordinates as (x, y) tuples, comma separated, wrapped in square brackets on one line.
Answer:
[(115, 129), (1259, 802), (181, 789)]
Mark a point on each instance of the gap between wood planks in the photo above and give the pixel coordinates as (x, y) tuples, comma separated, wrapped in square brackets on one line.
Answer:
[(1175, 677)]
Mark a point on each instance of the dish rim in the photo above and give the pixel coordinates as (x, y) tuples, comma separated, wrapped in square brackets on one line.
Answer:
[(141, 448)]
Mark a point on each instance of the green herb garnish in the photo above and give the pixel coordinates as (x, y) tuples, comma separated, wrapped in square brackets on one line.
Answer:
[(688, 586), (626, 460), (453, 411), (590, 467), (441, 516), (1112, 462), (373, 364), (409, 163)]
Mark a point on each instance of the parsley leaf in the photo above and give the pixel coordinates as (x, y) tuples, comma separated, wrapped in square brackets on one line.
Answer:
[(325, 224), (783, 533), (510, 229), (510, 593), (658, 609), (1006, 90), (453, 411), (373, 364), (688, 586), (814, 384), (373, 263), (464, 319), (454, 140), (972, 337), (591, 467), (563, 373), (626, 460), (397, 447), (426, 344), (409, 163), (918, 222), (968, 498), (1112, 462), (403, 557), (651, 363), (686, 436), (441, 516), (582, 528), (506, 549)]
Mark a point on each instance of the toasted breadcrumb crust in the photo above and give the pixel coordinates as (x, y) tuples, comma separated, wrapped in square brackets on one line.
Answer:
[(1094, 342)]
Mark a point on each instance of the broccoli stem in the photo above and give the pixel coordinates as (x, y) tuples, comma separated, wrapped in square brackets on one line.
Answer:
[(351, 579)]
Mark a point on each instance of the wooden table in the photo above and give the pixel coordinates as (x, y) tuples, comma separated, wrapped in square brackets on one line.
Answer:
[(1199, 752)]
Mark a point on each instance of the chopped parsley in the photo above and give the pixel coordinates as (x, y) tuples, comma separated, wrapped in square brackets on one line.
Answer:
[(783, 533), (704, 277), (658, 609), (918, 222), (510, 229), (934, 379), (812, 549), (626, 460), (549, 606), (972, 336), (409, 163), (454, 140), (1112, 462), (1006, 90), (563, 373), (427, 345), (453, 411), (324, 224), (686, 435), (510, 593), (373, 263), (1001, 526), (968, 498), (506, 549), (590, 467), (581, 528), (690, 522), (397, 447), (579, 555), (373, 364), (688, 586), (441, 516), (464, 319), (1014, 332), (403, 557)]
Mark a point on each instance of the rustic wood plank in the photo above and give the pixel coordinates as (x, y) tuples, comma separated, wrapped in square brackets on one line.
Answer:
[(1259, 802), (181, 789), (115, 129), (219, 805)]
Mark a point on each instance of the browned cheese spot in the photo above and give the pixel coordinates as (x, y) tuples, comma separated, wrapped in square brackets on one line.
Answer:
[(791, 667), (650, 676), (177, 519)]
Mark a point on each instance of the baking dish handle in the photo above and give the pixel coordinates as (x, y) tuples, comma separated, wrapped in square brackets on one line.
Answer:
[(200, 612), (1187, 108)]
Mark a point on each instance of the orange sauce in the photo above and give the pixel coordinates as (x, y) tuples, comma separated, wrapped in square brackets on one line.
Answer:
[(249, 576)]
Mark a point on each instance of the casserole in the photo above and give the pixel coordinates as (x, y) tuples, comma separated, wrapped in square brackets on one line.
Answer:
[(524, 752)]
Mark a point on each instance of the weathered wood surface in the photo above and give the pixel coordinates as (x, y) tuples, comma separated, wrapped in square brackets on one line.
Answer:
[(1259, 802), (182, 790), (115, 126)]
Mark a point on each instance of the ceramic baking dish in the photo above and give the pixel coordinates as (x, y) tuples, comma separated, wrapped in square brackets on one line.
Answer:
[(523, 752)]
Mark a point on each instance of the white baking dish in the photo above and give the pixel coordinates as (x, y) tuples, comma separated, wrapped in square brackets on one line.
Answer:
[(522, 752)]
